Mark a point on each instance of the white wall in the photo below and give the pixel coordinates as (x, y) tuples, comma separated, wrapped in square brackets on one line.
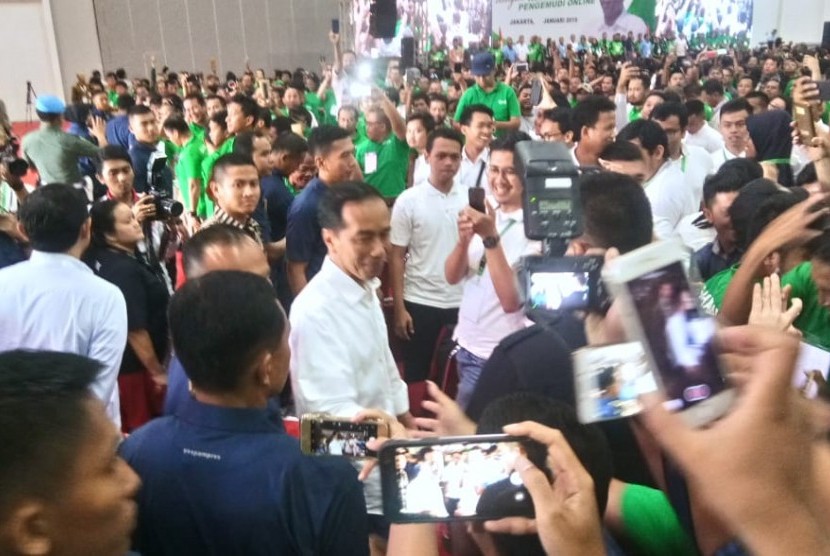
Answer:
[(76, 37), (801, 20)]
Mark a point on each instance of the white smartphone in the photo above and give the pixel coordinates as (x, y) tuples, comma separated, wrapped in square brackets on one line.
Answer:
[(659, 309), (609, 380), (811, 370)]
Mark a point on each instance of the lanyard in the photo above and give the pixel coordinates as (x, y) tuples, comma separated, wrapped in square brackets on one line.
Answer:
[(777, 161), (683, 163), (483, 264)]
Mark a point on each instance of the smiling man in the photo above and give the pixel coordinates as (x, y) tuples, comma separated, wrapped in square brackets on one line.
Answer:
[(235, 186)]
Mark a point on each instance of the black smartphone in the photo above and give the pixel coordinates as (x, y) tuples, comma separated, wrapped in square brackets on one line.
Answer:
[(335, 26), (457, 68), (453, 478), (325, 435), (823, 90), (475, 197), (536, 92)]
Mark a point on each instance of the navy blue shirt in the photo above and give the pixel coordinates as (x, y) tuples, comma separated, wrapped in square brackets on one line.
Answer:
[(710, 259), (226, 481), (142, 156), (118, 132), (261, 216), (304, 239), (278, 200)]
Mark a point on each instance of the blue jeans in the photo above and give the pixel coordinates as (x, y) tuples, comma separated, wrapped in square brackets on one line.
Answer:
[(469, 369)]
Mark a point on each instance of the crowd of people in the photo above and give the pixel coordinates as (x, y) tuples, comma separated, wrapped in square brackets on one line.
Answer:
[(191, 259)]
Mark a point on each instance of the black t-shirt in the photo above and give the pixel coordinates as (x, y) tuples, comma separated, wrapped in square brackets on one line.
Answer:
[(146, 295)]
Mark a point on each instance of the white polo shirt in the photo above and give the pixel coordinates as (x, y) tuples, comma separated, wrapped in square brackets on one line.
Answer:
[(670, 200), (468, 172), (421, 173), (722, 155), (482, 323), (707, 139), (425, 220), (695, 164)]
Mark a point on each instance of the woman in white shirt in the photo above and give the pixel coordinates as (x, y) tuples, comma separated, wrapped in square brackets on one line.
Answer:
[(418, 128)]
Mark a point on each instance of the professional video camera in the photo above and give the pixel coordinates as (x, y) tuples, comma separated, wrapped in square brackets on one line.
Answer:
[(553, 214), (166, 205), (9, 148)]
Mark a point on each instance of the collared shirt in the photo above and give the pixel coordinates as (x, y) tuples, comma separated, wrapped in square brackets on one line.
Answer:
[(712, 259), (695, 164), (219, 480), (482, 323), (714, 121), (707, 138), (54, 302), (55, 154), (722, 155), (250, 226), (670, 200), (340, 357), (521, 51), (420, 176), (118, 132), (469, 170), (425, 220), (303, 234)]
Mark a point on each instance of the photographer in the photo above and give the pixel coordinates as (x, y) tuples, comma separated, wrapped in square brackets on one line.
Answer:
[(146, 150)]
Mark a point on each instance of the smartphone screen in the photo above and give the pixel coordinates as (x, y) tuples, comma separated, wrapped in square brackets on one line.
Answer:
[(811, 370), (333, 437), (609, 381), (475, 197), (445, 479), (823, 90), (680, 336), (335, 26), (559, 291), (536, 92)]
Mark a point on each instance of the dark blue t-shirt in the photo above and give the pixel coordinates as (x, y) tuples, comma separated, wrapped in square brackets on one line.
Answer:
[(118, 132), (278, 200), (142, 156), (219, 480), (304, 240)]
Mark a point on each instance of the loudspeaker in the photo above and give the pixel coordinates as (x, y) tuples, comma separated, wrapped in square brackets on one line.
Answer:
[(383, 16), (825, 39), (408, 52)]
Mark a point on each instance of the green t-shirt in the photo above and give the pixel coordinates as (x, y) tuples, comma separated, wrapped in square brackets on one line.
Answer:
[(651, 524), (814, 320), (536, 52), (825, 117), (615, 48), (708, 112), (498, 55), (112, 96), (188, 167), (502, 101), (197, 130), (384, 164), (636, 113)]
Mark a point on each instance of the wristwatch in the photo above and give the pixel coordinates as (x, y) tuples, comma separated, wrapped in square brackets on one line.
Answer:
[(491, 241)]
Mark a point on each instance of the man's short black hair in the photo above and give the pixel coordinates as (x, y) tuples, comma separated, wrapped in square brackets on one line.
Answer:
[(760, 95), (250, 109), (330, 209), (45, 417), (467, 114), (821, 248), (139, 110), (736, 105), (111, 152), (746, 204), (508, 142), (420, 95), (290, 143), (125, 102), (587, 112), (771, 208), (622, 151), (193, 250), (616, 211), (53, 216), (426, 120), (743, 170), (211, 97), (561, 116), (696, 108), (436, 97), (587, 442), (349, 108), (322, 137), (444, 133), (243, 144), (649, 134), (720, 183), (221, 323), (198, 98), (692, 90), (713, 87), (176, 123), (663, 112)]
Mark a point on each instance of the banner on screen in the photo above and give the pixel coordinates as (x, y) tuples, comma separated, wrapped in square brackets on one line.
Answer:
[(592, 18)]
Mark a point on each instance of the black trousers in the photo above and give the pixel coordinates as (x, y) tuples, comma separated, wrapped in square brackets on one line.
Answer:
[(418, 350)]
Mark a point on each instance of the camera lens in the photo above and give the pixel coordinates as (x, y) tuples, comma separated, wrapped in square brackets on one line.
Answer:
[(169, 207), (18, 167)]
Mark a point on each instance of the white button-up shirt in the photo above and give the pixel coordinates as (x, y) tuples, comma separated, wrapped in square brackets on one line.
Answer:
[(670, 200), (707, 138), (695, 164), (469, 170), (54, 302)]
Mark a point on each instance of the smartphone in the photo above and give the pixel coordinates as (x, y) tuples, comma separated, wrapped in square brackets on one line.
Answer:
[(335, 26), (325, 435), (659, 309), (811, 370), (609, 380), (453, 478), (536, 92), (555, 284), (412, 75), (520, 66), (475, 196), (457, 67), (805, 122), (823, 90)]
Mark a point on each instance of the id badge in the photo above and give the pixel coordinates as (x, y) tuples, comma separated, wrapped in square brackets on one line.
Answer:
[(370, 163)]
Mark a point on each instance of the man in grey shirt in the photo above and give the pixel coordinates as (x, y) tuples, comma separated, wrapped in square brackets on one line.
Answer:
[(55, 153)]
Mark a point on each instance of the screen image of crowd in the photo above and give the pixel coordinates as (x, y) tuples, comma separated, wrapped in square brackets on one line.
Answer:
[(335, 441), (459, 480), (680, 335), (558, 290), (618, 375)]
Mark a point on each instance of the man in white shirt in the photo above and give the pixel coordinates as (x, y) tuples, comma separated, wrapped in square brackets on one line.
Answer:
[(521, 49), (694, 163), (340, 358), (632, 91), (54, 302), (734, 115), (616, 20), (489, 248), (424, 225), (700, 133), (665, 186), (477, 125)]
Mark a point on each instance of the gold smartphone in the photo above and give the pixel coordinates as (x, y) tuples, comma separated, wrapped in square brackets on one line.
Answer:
[(805, 121)]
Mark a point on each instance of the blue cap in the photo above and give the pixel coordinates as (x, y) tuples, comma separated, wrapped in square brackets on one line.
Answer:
[(484, 63), (49, 104)]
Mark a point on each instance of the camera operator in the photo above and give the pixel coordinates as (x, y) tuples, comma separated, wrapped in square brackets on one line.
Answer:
[(147, 149), (12, 169), (52, 151), (115, 171)]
